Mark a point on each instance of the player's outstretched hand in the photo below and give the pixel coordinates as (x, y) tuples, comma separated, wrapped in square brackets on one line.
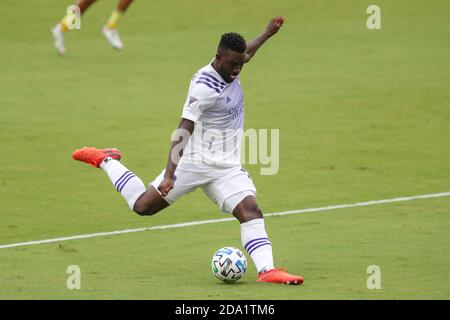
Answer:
[(274, 25), (165, 186)]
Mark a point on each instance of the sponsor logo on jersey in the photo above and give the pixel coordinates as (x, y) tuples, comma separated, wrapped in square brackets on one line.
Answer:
[(193, 101)]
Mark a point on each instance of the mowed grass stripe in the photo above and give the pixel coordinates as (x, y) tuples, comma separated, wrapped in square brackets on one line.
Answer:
[(201, 222)]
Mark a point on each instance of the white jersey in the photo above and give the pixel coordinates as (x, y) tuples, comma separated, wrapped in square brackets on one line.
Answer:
[(217, 108)]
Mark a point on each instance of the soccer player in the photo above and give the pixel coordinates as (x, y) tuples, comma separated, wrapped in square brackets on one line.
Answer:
[(109, 30), (204, 153)]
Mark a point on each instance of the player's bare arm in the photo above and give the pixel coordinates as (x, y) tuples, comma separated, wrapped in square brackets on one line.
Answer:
[(185, 129), (271, 29)]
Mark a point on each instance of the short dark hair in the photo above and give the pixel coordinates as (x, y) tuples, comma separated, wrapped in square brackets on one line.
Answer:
[(233, 41)]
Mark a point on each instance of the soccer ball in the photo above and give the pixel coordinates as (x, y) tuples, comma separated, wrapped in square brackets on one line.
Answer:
[(228, 264)]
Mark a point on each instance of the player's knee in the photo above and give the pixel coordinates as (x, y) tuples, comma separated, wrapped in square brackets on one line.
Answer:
[(255, 212), (138, 209), (248, 213), (253, 209), (145, 209)]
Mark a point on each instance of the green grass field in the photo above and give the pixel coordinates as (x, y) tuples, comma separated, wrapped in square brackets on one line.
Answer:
[(363, 115)]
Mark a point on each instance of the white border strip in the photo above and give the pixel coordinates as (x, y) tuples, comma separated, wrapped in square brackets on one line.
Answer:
[(195, 223)]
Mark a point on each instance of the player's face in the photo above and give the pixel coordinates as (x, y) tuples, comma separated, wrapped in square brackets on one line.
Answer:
[(230, 64)]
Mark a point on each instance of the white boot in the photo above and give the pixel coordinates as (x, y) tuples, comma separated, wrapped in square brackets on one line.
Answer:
[(58, 35), (113, 38)]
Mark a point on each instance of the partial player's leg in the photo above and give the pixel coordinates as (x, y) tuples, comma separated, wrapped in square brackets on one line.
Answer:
[(233, 190), (110, 29), (247, 210), (84, 4), (122, 5), (132, 189), (62, 27), (257, 244), (253, 234), (150, 202)]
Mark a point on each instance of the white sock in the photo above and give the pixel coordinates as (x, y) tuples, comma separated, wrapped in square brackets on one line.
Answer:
[(256, 242), (125, 181)]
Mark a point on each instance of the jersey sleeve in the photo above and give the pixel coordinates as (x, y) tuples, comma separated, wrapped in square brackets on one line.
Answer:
[(200, 98)]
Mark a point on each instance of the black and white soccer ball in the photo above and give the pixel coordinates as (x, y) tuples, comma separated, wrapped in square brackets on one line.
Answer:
[(228, 264)]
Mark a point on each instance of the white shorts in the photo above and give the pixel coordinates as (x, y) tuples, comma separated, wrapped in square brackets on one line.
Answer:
[(225, 186)]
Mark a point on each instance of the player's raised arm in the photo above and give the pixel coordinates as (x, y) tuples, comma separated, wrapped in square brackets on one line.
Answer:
[(271, 29)]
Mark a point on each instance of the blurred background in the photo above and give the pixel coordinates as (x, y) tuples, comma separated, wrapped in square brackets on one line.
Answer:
[(363, 115)]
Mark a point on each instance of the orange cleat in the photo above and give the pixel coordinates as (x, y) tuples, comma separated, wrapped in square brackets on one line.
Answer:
[(279, 275), (95, 156)]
